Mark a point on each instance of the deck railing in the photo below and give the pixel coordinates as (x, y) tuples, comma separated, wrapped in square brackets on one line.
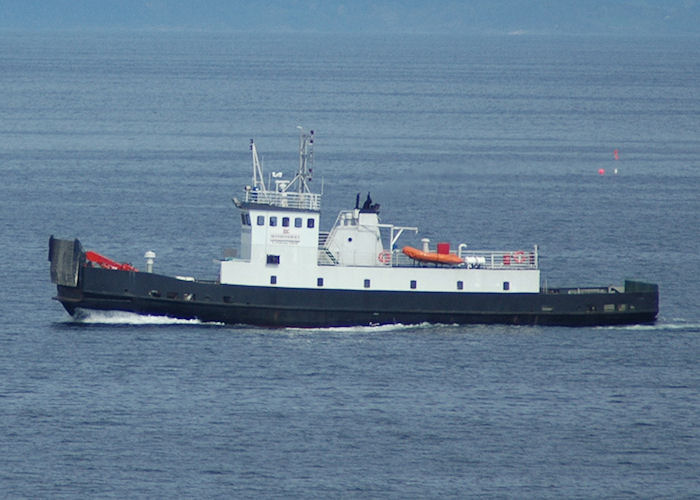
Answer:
[(290, 199), (480, 259), (473, 259)]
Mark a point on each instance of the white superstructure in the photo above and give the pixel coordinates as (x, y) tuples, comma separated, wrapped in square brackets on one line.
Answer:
[(281, 246)]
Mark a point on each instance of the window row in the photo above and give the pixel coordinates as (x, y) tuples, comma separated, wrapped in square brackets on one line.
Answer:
[(413, 284), (274, 221), (319, 282)]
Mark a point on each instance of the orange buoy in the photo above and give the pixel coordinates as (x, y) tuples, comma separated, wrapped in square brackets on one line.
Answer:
[(384, 257)]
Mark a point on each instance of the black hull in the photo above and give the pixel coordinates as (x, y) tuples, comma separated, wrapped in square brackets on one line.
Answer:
[(153, 294)]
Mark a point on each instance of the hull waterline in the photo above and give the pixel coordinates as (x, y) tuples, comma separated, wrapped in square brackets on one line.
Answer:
[(153, 294)]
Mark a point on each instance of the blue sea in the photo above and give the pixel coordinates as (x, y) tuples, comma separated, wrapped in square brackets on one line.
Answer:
[(136, 141)]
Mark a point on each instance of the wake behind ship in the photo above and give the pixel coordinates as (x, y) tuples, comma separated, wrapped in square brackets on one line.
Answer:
[(289, 273)]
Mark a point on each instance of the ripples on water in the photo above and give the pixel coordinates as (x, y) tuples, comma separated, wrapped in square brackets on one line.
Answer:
[(138, 142)]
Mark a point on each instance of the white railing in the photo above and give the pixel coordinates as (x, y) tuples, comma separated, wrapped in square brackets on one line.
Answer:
[(501, 259), (301, 201), (473, 259), (479, 259)]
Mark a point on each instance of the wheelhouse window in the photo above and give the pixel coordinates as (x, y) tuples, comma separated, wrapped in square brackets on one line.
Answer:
[(285, 221), (261, 220), (298, 222), (310, 223), (273, 221)]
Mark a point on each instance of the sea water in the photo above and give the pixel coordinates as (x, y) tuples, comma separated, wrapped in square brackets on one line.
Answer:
[(138, 141)]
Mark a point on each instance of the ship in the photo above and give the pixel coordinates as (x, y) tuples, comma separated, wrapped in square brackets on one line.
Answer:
[(289, 273)]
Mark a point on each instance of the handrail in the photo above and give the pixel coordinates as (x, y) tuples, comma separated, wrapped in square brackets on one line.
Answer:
[(285, 199), (473, 259), (480, 259), (501, 259)]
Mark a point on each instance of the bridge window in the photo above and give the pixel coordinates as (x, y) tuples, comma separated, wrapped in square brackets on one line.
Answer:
[(285, 221), (297, 222), (273, 221), (310, 223), (245, 219), (261, 220)]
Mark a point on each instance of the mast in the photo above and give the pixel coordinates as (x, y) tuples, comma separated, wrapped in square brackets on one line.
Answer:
[(306, 159), (258, 180), (293, 194)]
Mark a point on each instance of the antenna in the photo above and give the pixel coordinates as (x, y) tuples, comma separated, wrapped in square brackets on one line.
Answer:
[(306, 159), (258, 179)]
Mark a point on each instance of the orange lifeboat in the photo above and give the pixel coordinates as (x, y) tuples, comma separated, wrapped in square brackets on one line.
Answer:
[(438, 258)]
